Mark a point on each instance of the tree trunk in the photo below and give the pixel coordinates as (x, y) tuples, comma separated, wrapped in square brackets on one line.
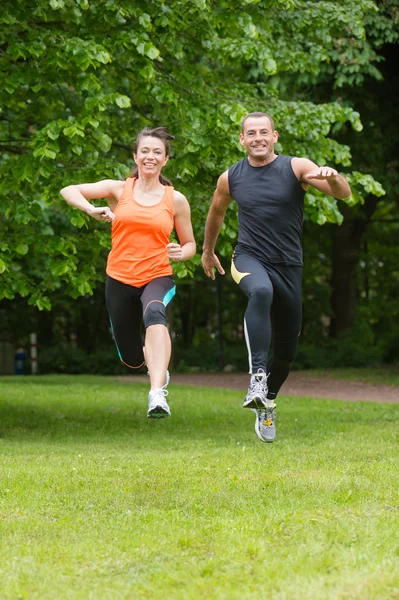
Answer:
[(346, 248)]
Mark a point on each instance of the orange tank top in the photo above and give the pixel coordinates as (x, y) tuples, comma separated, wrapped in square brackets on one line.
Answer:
[(139, 238)]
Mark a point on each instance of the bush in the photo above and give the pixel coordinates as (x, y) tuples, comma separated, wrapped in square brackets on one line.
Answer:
[(64, 358), (356, 348)]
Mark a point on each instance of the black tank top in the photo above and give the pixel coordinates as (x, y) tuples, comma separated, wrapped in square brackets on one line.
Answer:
[(270, 210)]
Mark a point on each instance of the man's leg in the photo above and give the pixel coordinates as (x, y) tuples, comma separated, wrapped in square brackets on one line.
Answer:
[(286, 325), (254, 281), (286, 317)]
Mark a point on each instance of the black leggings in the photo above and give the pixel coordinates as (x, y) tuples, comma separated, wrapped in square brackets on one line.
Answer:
[(273, 316), (129, 308)]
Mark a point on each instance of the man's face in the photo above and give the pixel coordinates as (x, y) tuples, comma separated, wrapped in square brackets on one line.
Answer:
[(258, 137)]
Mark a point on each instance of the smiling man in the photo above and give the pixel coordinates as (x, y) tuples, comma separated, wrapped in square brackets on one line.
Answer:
[(269, 189)]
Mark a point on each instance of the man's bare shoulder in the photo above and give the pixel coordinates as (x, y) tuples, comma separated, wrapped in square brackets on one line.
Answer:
[(223, 183), (301, 166)]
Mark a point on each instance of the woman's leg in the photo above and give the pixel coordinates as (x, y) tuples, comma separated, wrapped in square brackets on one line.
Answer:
[(155, 298), (158, 349), (126, 317)]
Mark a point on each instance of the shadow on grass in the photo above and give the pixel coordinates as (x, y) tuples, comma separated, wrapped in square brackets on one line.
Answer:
[(104, 413), (86, 409), (64, 380)]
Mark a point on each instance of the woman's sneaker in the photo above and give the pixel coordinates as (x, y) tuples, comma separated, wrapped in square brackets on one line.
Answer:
[(265, 424), (257, 391), (158, 407)]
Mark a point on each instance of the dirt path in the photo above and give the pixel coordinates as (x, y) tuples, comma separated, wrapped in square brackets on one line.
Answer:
[(298, 384)]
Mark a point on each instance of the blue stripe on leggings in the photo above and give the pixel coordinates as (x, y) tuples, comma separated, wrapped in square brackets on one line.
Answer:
[(113, 335), (169, 295)]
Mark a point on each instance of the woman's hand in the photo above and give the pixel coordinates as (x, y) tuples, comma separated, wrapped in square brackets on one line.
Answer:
[(101, 213), (175, 252)]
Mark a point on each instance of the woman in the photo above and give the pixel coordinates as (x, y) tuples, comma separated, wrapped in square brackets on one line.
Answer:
[(143, 210)]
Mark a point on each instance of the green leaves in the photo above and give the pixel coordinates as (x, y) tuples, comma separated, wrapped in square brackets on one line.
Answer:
[(363, 185), (73, 130), (80, 79), (22, 249), (322, 209), (122, 101), (104, 141)]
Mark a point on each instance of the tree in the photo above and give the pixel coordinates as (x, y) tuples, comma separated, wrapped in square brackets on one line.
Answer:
[(78, 78), (361, 74)]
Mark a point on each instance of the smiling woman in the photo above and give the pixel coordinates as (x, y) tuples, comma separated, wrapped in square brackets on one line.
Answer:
[(143, 211)]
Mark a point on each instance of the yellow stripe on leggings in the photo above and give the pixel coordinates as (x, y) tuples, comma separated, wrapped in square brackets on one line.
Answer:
[(236, 275)]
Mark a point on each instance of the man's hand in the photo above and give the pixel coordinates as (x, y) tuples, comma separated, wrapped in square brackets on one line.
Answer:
[(209, 262), (326, 173), (101, 213)]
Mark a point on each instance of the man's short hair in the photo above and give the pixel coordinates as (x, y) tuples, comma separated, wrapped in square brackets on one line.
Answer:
[(257, 115)]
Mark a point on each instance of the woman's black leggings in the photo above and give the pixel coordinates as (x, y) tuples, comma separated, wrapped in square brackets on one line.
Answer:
[(273, 317), (129, 308)]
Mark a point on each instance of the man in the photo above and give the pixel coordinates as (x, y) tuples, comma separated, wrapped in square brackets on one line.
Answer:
[(267, 261)]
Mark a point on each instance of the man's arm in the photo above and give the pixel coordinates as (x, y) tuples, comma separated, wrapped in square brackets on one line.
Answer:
[(324, 179), (214, 222)]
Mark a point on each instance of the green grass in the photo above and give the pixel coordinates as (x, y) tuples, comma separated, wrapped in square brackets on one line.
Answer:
[(98, 502), (382, 375)]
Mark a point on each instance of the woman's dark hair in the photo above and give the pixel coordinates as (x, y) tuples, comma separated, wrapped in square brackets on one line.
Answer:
[(158, 132)]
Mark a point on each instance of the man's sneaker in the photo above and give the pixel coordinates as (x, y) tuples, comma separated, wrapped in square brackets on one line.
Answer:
[(265, 424), (158, 407), (257, 391)]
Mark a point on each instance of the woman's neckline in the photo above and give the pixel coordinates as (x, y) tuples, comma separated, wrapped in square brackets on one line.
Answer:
[(147, 205)]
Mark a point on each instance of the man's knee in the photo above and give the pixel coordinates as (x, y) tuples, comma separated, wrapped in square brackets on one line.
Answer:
[(155, 314), (262, 295), (285, 352)]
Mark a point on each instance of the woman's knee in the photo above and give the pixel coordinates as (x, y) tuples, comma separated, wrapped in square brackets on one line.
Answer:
[(155, 314)]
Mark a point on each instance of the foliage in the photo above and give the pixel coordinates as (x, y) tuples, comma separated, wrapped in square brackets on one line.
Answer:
[(64, 358), (79, 78)]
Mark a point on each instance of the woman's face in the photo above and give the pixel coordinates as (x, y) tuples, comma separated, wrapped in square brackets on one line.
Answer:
[(150, 156)]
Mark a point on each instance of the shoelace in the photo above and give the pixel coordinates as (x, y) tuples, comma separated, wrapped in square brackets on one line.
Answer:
[(163, 391), (258, 387), (268, 415), (258, 383)]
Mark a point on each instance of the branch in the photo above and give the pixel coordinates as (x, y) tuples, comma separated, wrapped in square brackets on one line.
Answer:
[(12, 150)]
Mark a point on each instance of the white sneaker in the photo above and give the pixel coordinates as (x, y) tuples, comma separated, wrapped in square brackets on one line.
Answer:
[(265, 423), (257, 391), (158, 407)]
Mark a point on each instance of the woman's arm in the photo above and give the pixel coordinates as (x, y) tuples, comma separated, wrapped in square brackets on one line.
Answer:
[(78, 196), (186, 248)]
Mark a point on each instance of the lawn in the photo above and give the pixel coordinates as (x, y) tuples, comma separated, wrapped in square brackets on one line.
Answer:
[(382, 375), (98, 502)]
